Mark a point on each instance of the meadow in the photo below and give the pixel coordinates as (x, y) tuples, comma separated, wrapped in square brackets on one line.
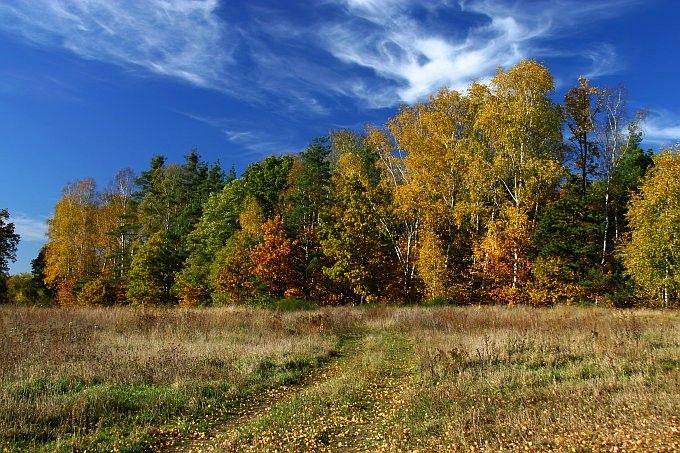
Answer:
[(339, 379)]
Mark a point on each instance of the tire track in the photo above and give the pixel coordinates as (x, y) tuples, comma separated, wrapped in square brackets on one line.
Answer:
[(260, 405), (353, 410)]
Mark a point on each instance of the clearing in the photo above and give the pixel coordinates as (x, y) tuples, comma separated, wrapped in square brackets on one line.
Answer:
[(340, 379)]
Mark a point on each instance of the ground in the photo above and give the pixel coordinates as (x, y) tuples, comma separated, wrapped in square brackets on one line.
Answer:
[(340, 379)]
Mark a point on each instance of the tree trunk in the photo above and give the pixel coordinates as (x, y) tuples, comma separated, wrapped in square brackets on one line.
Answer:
[(665, 288), (606, 227), (515, 268)]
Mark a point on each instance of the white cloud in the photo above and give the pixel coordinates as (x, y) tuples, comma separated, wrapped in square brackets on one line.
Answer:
[(420, 61), (604, 61), (258, 142), (377, 52), (30, 229), (661, 128), (183, 39)]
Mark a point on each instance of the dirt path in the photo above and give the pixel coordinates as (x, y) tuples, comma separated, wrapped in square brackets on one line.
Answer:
[(261, 405), (352, 409), (352, 404)]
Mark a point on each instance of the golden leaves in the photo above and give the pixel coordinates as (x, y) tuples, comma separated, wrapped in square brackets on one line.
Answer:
[(651, 254)]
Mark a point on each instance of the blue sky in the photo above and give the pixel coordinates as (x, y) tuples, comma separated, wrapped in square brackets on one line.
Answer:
[(88, 87)]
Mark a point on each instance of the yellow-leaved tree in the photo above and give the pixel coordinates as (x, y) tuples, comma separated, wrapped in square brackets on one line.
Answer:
[(441, 185), (652, 255), (523, 128), (581, 107), (353, 234), (71, 255)]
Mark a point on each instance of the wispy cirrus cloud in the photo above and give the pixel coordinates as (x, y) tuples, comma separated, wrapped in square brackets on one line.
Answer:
[(257, 141), (604, 61), (369, 52), (29, 228), (418, 60), (661, 128), (183, 39)]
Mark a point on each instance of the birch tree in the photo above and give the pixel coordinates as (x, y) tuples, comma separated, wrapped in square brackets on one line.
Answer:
[(652, 256), (524, 132), (72, 247), (581, 106)]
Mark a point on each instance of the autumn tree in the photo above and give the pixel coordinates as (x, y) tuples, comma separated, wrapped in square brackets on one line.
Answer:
[(118, 213), (442, 184), (277, 260), (231, 272), (399, 217), (306, 196), (615, 133), (72, 255), (581, 108), (8, 249), (625, 179), (100, 290), (23, 290), (652, 256), (523, 129), (503, 258), (29, 288), (576, 234), (150, 279), (361, 259), (256, 193)]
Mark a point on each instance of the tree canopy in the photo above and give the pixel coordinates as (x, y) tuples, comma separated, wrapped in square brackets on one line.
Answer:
[(495, 194), (9, 241)]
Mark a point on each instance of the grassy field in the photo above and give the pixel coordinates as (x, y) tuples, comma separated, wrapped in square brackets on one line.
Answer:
[(380, 379)]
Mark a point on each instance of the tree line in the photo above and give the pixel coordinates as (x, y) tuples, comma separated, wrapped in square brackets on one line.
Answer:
[(494, 195)]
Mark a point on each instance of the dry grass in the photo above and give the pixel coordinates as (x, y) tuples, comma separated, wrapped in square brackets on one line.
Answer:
[(488, 378), (492, 379), (544, 380), (77, 378)]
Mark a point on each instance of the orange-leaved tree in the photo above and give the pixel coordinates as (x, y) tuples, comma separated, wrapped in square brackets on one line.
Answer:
[(277, 260)]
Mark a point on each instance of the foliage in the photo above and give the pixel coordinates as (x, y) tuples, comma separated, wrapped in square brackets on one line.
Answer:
[(149, 278), (502, 257), (8, 241), (567, 241), (467, 196), (277, 260), (220, 220), (22, 289), (230, 273), (8, 249), (266, 180), (98, 291), (652, 254), (307, 196), (581, 109), (352, 236), (73, 255)]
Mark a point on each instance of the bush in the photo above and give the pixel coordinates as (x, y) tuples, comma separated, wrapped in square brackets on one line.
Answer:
[(22, 289), (283, 304), (437, 301), (99, 291)]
